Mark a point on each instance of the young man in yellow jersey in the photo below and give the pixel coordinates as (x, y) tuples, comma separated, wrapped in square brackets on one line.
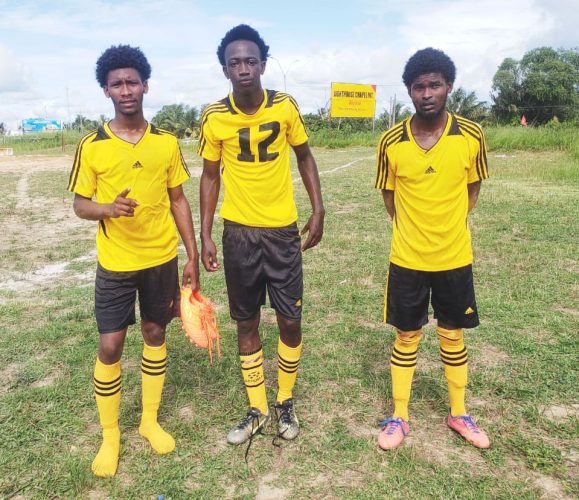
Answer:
[(430, 168), (128, 176), (245, 140)]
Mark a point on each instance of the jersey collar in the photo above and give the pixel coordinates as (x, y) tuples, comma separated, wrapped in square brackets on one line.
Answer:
[(122, 141), (444, 133), (237, 110)]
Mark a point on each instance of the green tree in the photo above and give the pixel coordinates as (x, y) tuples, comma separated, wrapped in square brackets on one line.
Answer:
[(401, 112), (317, 121), (82, 124), (506, 90), (2, 128), (466, 104), (544, 84), (177, 118)]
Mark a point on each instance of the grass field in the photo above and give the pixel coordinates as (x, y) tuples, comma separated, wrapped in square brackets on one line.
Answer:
[(523, 370)]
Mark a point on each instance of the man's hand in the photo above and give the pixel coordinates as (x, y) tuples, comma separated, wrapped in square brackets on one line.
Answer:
[(123, 206), (315, 229), (191, 274), (209, 255)]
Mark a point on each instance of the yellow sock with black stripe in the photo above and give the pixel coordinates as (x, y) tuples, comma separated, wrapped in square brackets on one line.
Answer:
[(254, 379), (288, 361), (402, 366), (153, 369), (455, 359), (107, 390)]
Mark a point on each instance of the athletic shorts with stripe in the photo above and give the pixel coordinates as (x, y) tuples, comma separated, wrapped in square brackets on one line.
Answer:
[(408, 293), (116, 293), (257, 259)]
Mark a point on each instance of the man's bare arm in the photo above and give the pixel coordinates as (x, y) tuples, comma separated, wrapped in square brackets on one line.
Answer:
[(311, 179), (208, 195), (85, 208), (388, 196), (473, 192), (181, 212)]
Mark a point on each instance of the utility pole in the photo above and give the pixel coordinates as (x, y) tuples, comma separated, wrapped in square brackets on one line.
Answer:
[(67, 107), (392, 119)]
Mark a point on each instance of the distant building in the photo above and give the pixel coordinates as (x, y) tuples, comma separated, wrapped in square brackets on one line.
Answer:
[(36, 125)]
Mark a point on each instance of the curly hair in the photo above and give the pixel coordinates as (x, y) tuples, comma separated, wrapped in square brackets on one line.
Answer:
[(242, 32), (122, 56), (428, 60)]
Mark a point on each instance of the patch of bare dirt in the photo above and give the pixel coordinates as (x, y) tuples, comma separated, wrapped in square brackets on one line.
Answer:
[(186, 413), (267, 490), (25, 163), (36, 226), (560, 413), (568, 310), (426, 363), (347, 209), (93, 429), (131, 364), (70, 341), (48, 380), (368, 282), (492, 357), (363, 429), (8, 375), (434, 442), (551, 489), (477, 402), (371, 325), (571, 459), (217, 441), (97, 495)]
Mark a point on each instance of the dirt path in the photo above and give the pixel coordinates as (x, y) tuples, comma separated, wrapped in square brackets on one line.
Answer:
[(36, 236)]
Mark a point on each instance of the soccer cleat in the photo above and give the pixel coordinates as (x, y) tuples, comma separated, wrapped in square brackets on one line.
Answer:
[(393, 432), (465, 426), (288, 426), (252, 423)]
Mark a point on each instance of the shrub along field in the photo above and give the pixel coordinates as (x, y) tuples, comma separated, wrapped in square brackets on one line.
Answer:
[(523, 357)]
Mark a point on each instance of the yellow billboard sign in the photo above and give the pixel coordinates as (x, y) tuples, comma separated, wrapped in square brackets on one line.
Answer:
[(353, 100)]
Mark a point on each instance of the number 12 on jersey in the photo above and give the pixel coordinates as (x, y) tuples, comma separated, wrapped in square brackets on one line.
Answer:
[(246, 154)]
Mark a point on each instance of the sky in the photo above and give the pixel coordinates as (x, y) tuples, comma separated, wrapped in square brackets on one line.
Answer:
[(48, 49)]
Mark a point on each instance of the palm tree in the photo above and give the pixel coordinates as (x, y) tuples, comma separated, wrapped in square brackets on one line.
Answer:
[(401, 112), (177, 118), (466, 104)]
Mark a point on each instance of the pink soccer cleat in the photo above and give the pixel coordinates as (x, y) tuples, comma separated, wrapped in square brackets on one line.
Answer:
[(393, 432), (465, 426)]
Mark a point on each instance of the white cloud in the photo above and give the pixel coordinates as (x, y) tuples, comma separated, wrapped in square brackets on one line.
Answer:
[(47, 67), (14, 76)]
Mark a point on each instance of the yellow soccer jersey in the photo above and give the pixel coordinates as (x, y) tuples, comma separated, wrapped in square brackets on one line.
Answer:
[(104, 166), (254, 154), (430, 230)]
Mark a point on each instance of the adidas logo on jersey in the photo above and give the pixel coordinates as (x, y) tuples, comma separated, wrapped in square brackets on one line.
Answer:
[(469, 310), (430, 170), (137, 164)]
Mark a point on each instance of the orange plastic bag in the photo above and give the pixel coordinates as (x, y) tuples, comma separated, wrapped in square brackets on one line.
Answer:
[(198, 316)]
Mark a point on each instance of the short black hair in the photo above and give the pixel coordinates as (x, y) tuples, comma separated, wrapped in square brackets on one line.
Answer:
[(122, 56), (242, 32), (428, 60)]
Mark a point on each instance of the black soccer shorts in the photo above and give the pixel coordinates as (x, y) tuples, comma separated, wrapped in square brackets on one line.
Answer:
[(115, 296), (408, 293), (257, 259)]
